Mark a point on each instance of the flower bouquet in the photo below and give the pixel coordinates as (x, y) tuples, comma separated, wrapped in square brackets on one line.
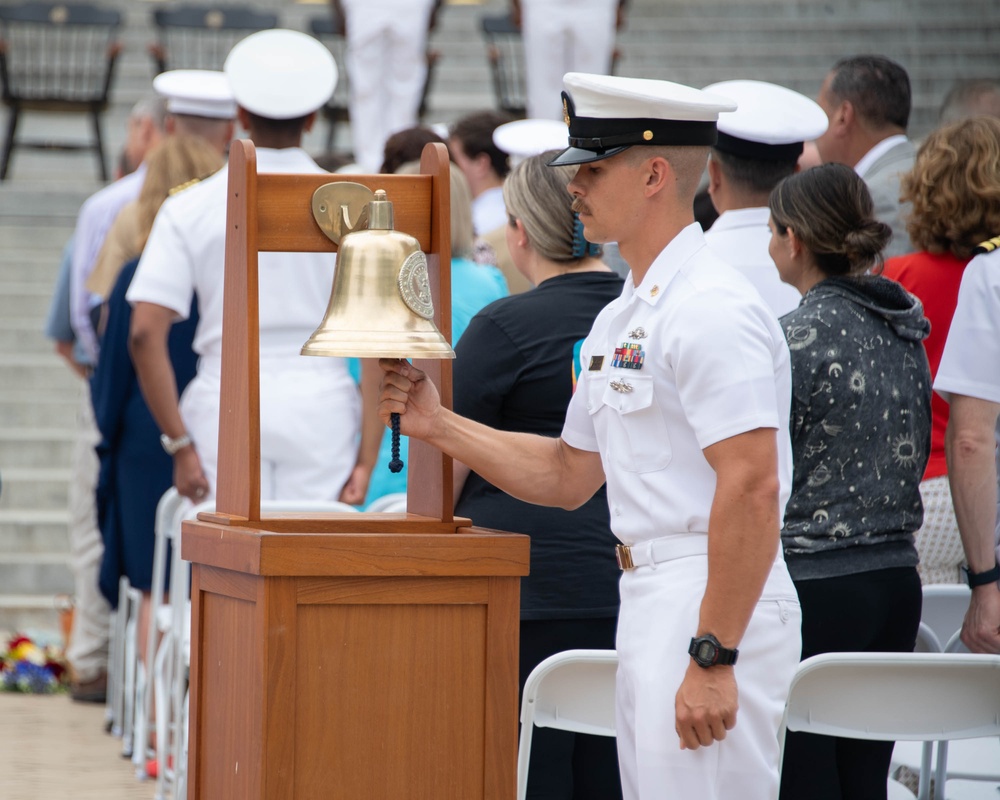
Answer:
[(31, 668)]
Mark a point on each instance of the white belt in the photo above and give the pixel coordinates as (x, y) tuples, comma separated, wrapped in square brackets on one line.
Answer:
[(656, 551)]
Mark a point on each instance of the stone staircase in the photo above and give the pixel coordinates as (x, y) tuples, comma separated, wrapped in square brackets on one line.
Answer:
[(789, 42)]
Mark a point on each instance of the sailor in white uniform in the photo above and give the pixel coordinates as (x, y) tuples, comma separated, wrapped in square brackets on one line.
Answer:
[(682, 408), (969, 379), (310, 407), (759, 145)]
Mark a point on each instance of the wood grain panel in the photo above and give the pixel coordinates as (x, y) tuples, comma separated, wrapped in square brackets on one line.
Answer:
[(229, 740), (276, 614), (286, 221), (393, 590), (390, 702), (501, 711)]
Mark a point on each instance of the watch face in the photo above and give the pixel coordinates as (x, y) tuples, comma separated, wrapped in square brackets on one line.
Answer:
[(706, 651)]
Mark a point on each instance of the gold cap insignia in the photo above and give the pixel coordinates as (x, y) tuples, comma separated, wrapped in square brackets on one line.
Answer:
[(647, 135), (565, 112)]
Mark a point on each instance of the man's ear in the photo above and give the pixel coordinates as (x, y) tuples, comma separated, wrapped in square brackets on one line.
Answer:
[(659, 174), (310, 121), (844, 118), (714, 176)]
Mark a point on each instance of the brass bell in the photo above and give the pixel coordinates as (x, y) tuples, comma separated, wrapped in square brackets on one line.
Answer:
[(380, 306)]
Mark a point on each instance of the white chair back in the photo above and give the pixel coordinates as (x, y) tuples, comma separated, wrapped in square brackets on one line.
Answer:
[(943, 610), (572, 691), (921, 697)]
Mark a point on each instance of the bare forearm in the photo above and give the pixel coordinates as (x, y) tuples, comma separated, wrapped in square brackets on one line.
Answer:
[(743, 534), (970, 449), (536, 469)]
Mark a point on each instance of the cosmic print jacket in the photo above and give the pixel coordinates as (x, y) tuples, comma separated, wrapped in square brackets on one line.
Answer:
[(860, 427)]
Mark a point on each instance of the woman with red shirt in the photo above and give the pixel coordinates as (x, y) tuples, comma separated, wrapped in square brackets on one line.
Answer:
[(955, 190)]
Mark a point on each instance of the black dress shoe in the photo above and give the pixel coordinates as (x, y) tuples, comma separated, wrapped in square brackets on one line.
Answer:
[(92, 691)]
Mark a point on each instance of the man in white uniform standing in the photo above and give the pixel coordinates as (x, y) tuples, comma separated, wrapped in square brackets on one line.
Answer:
[(309, 406), (387, 65), (759, 145), (682, 408), (969, 379)]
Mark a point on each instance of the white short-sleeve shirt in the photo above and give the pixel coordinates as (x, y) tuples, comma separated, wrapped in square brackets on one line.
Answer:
[(970, 363), (686, 359), (740, 237)]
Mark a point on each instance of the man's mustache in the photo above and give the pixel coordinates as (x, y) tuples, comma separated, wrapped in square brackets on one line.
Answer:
[(579, 207)]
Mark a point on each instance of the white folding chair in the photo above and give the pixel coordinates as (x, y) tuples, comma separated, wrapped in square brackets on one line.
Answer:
[(922, 697), (572, 691), (165, 523), (388, 503), (944, 607)]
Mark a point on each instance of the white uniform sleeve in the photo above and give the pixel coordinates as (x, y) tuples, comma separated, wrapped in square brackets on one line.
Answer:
[(578, 429), (726, 374), (970, 364), (165, 274)]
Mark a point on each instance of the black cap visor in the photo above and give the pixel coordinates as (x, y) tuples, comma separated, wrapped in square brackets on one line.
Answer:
[(577, 155)]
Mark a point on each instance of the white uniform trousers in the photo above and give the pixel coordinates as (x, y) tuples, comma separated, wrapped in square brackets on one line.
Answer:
[(309, 431), (659, 615), (387, 64), (563, 36), (88, 645)]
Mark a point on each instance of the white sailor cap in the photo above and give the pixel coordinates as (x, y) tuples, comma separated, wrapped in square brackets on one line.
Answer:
[(524, 138), (196, 92), (607, 114), (771, 123), (281, 74)]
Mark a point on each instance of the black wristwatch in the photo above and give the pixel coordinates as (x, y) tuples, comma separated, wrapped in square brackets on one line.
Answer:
[(982, 578), (707, 651)]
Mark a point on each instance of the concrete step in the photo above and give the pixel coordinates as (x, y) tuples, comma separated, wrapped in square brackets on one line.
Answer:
[(32, 614), (35, 573), (25, 408), (34, 530), (19, 299), (43, 371), (22, 335), (35, 487), (36, 447)]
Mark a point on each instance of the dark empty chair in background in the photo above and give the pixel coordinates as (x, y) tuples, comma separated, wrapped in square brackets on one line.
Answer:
[(195, 36), (57, 58)]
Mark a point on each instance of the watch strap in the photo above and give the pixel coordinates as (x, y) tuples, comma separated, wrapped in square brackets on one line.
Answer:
[(982, 578), (171, 446)]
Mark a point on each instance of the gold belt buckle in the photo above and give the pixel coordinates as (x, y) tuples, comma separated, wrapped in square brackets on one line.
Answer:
[(623, 553)]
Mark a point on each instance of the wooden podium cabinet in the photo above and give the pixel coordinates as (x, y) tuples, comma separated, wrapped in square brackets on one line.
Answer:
[(347, 656)]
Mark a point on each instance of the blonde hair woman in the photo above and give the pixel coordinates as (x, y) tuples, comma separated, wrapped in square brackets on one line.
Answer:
[(954, 187), (175, 162)]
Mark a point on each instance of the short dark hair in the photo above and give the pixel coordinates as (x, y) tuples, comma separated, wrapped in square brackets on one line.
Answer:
[(753, 174), (877, 87), (475, 132), (278, 127), (405, 146)]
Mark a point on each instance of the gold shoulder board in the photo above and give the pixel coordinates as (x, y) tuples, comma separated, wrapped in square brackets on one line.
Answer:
[(986, 247), (182, 186)]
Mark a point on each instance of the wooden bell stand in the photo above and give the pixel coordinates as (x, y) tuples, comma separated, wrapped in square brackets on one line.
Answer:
[(349, 656)]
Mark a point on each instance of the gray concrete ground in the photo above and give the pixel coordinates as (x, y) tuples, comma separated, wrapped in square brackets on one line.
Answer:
[(54, 749)]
